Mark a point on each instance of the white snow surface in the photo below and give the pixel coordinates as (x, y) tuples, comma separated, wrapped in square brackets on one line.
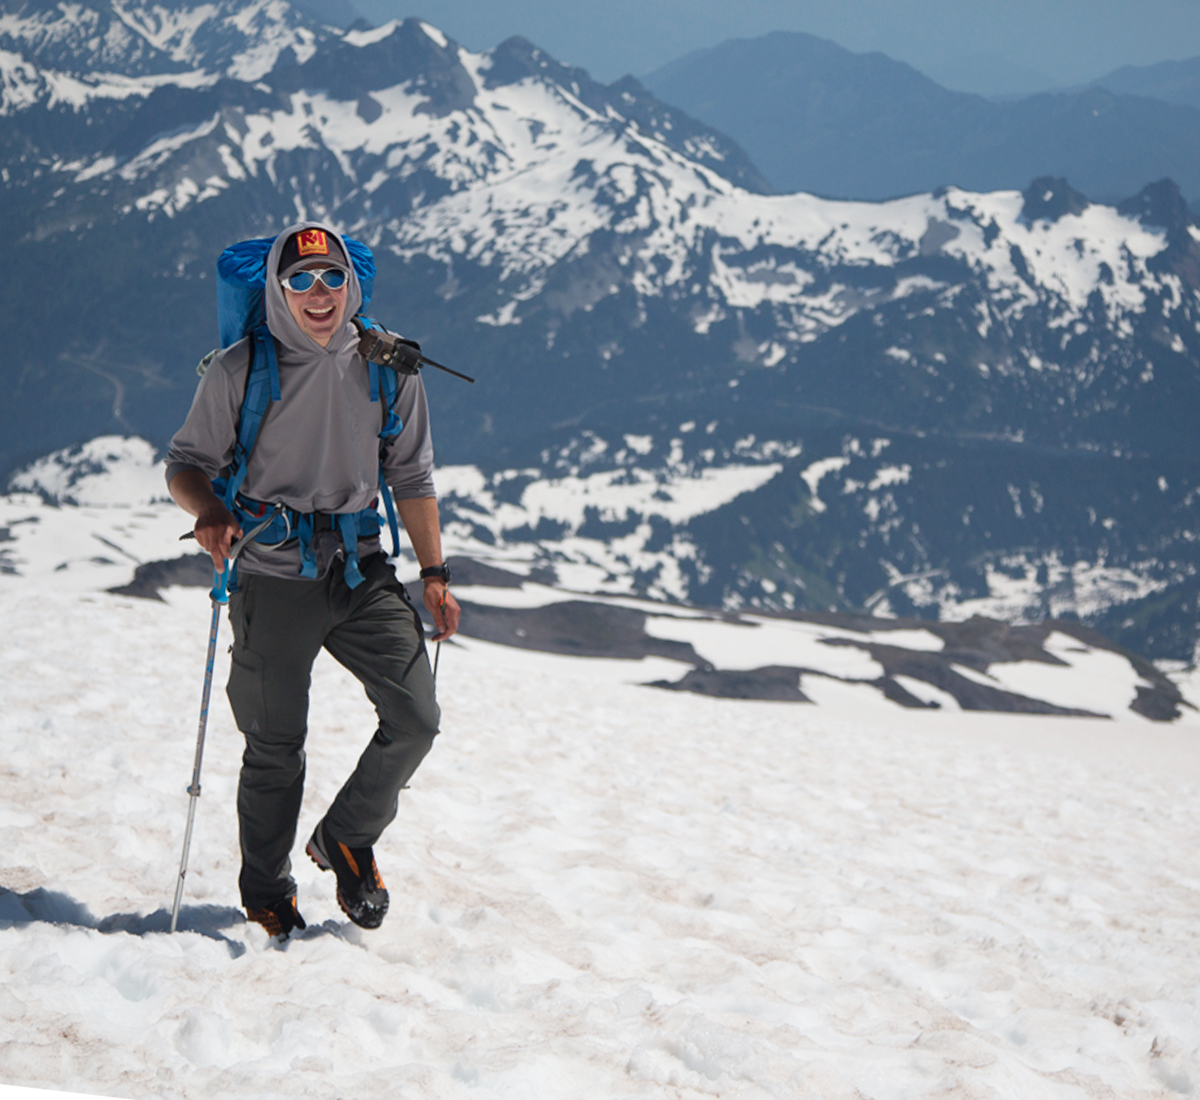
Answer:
[(598, 888), (1095, 680)]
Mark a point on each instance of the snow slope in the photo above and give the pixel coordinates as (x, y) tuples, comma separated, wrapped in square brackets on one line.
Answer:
[(598, 888)]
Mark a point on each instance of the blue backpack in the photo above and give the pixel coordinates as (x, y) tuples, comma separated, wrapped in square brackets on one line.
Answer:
[(241, 312)]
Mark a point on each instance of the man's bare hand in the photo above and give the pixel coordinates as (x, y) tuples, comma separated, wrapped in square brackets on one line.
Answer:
[(443, 607), (216, 530)]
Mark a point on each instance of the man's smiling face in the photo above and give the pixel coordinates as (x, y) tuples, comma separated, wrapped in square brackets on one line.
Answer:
[(320, 311)]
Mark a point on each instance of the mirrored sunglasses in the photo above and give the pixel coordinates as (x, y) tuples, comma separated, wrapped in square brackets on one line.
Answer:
[(334, 278)]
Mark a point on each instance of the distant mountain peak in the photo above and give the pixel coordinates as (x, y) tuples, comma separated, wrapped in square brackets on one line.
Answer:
[(1171, 81), (516, 59), (1160, 204), (398, 52), (1048, 199), (818, 118)]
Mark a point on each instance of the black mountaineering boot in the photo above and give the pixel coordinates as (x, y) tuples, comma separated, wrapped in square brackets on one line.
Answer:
[(360, 890), (279, 918)]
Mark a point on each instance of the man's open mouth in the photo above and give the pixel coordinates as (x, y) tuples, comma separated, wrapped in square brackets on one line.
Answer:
[(319, 314)]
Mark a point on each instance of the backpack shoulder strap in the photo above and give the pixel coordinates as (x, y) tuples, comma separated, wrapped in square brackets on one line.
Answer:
[(385, 388), (262, 387), (389, 384)]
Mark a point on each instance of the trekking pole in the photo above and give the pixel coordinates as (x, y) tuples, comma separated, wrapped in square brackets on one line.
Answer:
[(437, 649), (220, 597)]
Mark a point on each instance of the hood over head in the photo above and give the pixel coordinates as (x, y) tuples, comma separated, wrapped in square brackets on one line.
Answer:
[(287, 251)]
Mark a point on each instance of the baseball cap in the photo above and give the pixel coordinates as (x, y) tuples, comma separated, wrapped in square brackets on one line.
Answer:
[(311, 244)]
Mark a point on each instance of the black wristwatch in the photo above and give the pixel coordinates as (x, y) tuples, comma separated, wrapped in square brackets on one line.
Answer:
[(442, 571)]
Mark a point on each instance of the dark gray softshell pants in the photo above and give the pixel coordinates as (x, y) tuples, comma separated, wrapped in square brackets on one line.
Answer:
[(279, 627)]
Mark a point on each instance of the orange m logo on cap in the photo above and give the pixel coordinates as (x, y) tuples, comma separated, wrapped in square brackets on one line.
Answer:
[(312, 242)]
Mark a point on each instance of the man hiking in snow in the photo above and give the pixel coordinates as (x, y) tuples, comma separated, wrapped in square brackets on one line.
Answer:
[(322, 583)]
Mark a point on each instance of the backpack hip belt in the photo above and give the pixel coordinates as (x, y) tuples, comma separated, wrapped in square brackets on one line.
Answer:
[(290, 527)]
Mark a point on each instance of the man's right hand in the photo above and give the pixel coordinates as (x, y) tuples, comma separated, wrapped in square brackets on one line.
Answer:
[(216, 530)]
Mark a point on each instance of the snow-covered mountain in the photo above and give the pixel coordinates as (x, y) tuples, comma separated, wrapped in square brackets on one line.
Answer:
[(55, 52), (947, 402)]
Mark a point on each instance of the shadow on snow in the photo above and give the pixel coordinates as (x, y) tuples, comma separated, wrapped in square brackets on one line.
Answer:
[(51, 907)]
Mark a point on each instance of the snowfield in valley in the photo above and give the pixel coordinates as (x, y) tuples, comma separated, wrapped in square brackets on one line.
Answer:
[(598, 888)]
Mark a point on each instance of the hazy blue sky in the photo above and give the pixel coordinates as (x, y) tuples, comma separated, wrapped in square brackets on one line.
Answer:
[(957, 41)]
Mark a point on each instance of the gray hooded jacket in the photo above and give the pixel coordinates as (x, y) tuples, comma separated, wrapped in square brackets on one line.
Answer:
[(318, 447)]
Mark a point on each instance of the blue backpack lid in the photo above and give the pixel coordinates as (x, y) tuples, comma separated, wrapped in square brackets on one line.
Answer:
[(364, 267), (242, 279)]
